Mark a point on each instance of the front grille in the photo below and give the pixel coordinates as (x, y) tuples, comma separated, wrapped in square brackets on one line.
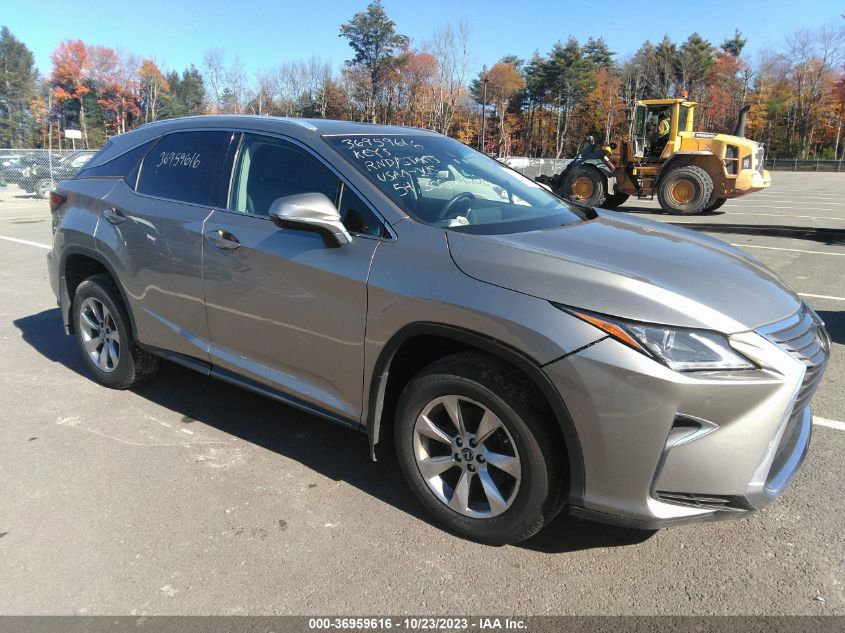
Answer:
[(727, 503), (803, 336)]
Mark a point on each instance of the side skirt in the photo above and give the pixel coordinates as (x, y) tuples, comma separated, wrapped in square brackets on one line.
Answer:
[(225, 375)]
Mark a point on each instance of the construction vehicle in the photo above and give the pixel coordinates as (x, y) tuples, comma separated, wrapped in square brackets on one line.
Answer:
[(689, 171)]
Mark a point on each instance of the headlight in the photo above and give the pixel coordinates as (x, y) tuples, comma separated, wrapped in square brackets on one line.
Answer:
[(680, 349)]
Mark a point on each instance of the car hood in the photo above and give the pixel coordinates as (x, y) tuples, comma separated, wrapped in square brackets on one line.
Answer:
[(632, 268)]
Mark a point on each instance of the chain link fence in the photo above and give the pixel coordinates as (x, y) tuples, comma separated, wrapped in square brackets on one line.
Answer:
[(33, 172), (792, 164)]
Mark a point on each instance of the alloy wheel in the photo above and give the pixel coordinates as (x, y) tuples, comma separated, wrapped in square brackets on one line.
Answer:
[(467, 457), (99, 333)]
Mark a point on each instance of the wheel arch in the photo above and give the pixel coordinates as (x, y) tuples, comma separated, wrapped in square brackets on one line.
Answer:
[(76, 264), (439, 340)]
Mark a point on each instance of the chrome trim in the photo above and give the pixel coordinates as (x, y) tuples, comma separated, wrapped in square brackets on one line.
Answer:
[(707, 427), (783, 324)]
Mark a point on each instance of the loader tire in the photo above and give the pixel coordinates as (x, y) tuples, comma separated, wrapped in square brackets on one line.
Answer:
[(685, 190), (584, 185)]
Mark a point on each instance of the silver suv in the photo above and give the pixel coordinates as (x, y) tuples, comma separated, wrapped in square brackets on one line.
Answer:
[(522, 354)]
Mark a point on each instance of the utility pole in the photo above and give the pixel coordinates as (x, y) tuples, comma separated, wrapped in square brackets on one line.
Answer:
[(484, 80)]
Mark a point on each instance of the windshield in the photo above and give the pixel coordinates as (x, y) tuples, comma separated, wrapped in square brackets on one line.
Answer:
[(443, 183)]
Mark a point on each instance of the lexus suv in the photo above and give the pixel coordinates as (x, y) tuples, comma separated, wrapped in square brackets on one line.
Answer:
[(523, 355)]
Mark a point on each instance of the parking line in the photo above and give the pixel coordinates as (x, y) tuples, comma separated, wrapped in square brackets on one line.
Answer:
[(789, 215), (27, 242), (771, 206), (807, 294), (831, 424), (832, 203), (778, 248)]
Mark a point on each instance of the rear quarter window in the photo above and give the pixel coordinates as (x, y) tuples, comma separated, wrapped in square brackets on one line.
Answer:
[(120, 166), (185, 167)]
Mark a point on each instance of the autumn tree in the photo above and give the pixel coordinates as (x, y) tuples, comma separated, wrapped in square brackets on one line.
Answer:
[(503, 83), (153, 89), (70, 71), (603, 106), (114, 79)]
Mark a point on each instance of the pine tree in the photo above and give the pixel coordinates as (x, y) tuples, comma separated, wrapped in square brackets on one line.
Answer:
[(17, 90)]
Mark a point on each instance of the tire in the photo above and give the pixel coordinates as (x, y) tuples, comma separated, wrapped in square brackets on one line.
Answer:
[(42, 188), (521, 433), (615, 200), (685, 190), (584, 185), (114, 361), (715, 204)]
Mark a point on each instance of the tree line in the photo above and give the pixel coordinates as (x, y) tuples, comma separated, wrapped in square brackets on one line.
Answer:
[(541, 107)]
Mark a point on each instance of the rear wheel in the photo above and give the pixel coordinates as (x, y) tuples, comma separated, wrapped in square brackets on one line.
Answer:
[(615, 200), (476, 448), (42, 188), (715, 204), (584, 185), (104, 336), (685, 190)]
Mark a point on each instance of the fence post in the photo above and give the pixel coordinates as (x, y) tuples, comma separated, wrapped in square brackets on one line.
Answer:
[(817, 164), (795, 165)]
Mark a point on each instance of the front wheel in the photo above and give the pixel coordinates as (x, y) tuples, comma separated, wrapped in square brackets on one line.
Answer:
[(478, 449), (685, 190)]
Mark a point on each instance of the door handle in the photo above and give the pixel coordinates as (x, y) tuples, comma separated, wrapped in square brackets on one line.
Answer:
[(114, 216), (223, 240)]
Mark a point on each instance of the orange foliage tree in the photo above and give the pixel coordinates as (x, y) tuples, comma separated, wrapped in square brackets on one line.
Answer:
[(70, 69)]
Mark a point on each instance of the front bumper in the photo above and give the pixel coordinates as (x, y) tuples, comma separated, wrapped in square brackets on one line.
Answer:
[(661, 447), (750, 180)]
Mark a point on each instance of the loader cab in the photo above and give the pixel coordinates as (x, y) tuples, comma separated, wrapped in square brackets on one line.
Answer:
[(649, 146)]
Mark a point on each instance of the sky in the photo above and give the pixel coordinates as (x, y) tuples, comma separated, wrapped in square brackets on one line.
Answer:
[(264, 33)]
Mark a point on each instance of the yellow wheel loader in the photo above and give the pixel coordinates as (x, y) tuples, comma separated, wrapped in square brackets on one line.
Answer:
[(689, 171)]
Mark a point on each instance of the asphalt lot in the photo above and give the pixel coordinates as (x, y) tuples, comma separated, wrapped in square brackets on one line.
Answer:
[(188, 496)]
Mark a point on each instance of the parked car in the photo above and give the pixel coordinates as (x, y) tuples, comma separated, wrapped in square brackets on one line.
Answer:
[(34, 173), (520, 353), (10, 168)]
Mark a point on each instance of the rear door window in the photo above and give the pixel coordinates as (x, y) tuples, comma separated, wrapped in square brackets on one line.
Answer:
[(185, 166)]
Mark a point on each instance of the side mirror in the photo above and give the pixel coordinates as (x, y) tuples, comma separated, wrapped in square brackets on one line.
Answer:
[(443, 174), (310, 212)]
